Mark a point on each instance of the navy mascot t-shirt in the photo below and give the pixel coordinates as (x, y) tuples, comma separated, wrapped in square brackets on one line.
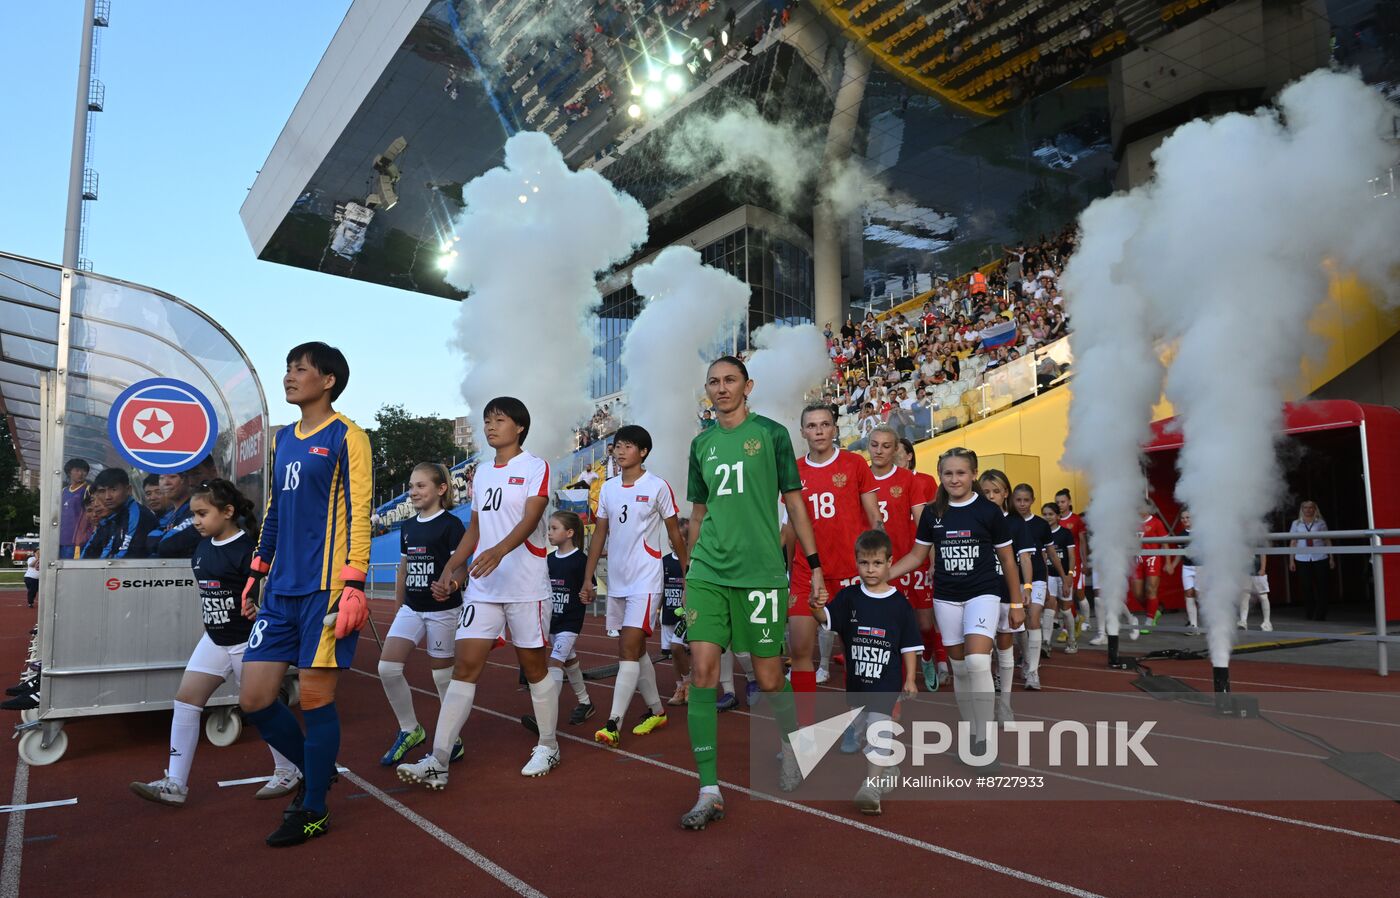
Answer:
[(877, 629), (674, 589), (1039, 539), (566, 581), (965, 542), (221, 569), (426, 545)]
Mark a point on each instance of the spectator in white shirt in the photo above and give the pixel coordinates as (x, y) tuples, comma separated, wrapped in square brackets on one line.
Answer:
[(1313, 565)]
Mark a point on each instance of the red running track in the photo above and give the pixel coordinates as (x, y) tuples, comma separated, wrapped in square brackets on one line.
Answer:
[(606, 821)]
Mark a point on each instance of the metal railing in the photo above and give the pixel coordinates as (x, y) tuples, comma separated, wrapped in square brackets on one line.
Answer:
[(1375, 548)]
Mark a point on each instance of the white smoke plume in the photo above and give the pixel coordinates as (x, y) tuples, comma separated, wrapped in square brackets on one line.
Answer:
[(690, 313), (1236, 235), (534, 235), (787, 158), (788, 363), (1117, 381)]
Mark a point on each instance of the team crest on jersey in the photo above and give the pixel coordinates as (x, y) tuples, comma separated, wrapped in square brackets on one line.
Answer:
[(644, 498), (753, 447), (322, 451), (517, 481), (838, 480), (896, 491)]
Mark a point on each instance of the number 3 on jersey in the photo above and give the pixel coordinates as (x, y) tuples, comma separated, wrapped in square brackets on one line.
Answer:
[(760, 600), (724, 471)]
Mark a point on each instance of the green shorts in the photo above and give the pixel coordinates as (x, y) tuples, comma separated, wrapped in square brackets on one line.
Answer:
[(746, 620)]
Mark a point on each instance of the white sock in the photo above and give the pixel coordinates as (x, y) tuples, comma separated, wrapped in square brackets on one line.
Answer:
[(456, 708), (557, 675), (544, 695), (1047, 625), (1244, 610), (184, 739), (1033, 642), (962, 688), (442, 677), (1006, 671), (281, 761), (726, 673), (1191, 611), (646, 685), (709, 790), (627, 674), (825, 640), (746, 662), (980, 687), (397, 691), (1264, 606), (1086, 611), (574, 673), (1067, 622)]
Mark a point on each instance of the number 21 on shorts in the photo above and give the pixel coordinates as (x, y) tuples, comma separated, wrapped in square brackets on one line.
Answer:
[(761, 601)]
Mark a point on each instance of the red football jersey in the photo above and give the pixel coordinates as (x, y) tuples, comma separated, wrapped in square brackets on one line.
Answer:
[(1074, 524), (1151, 526), (832, 491), (925, 487), (898, 496)]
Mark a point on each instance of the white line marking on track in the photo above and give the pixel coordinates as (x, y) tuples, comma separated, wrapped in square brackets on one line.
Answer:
[(20, 808), (490, 867), (1375, 837), (249, 780), (14, 835), (990, 866)]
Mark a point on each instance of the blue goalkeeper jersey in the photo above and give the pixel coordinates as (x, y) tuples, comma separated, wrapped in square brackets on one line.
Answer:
[(318, 507)]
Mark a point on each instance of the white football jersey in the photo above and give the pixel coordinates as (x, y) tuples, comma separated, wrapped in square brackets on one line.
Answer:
[(634, 514), (498, 502)]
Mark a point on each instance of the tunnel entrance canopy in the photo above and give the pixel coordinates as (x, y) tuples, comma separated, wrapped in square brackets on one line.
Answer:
[(89, 337)]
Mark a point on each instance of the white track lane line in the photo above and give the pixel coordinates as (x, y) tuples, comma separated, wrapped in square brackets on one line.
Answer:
[(990, 866), (14, 835), (481, 861), (34, 806), (938, 849)]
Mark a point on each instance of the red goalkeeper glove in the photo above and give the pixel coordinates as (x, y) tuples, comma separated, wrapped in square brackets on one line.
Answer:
[(352, 611), (256, 571)]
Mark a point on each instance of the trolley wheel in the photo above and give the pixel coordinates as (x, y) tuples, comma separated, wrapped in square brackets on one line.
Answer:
[(29, 715), (223, 727), (33, 752)]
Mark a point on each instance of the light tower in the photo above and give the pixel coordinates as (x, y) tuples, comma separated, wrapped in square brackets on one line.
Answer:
[(82, 178)]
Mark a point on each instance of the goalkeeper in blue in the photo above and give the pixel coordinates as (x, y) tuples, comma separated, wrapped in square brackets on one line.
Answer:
[(314, 552)]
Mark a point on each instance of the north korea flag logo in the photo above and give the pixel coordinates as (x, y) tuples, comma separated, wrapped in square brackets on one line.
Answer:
[(162, 425)]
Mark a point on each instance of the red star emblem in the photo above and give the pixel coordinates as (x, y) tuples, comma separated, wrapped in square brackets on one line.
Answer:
[(152, 423)]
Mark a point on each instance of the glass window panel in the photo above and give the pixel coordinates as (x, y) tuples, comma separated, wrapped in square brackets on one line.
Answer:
[(19, 392), (19, 374), (29, 352), (28, 322), (31, 283)]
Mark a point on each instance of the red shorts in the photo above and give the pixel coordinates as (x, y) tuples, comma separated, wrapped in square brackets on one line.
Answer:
[(918, 589), (800, 591), (1147, 566)]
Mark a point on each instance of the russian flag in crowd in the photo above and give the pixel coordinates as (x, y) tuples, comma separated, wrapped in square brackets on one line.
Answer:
[(573, 500), (999, 334)]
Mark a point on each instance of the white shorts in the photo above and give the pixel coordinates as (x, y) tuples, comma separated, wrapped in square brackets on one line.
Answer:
[(438, 626), (1004, 620), (1188, 577), (222, 661), (638, 611), (958, 620), (669, 637), (1038, 593), (562, 646), (1056, 587), (528, 621), (1259, 585)]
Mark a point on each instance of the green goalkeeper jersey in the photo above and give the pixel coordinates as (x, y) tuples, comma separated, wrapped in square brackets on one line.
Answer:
[(739, 475)]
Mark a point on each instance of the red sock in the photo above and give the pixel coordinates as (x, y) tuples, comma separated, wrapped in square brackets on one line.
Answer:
[(930, 644), (940, 654), (1152, 607), (804, 684)]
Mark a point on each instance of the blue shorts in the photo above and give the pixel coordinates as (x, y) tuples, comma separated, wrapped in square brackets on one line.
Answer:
[(291, 630)]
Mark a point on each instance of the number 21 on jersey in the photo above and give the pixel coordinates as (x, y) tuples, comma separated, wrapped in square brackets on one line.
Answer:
[(723, 472)]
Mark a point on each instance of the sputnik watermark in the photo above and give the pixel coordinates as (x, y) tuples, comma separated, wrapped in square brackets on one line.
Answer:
[(1086, 744)]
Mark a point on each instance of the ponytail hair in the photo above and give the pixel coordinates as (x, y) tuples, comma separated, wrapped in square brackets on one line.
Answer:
[(441, 477), (222, 493), (997, 476), (940, 499)]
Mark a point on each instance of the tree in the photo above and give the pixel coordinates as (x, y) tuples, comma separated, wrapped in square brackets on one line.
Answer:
[(18, 506), (400, 441)]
